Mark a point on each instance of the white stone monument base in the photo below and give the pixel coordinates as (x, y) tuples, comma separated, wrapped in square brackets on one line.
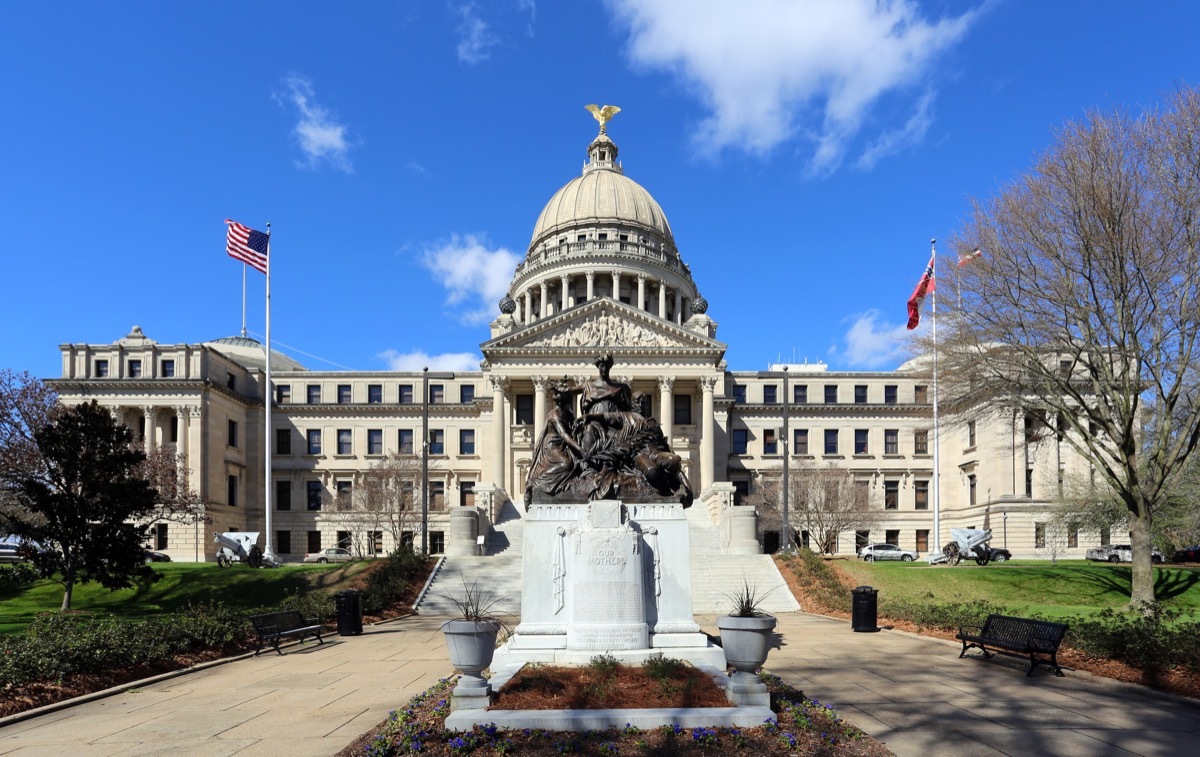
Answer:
[(517, 651)]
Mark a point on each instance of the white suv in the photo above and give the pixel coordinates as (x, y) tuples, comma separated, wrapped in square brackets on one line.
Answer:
[(873, 552), (1118, 553)]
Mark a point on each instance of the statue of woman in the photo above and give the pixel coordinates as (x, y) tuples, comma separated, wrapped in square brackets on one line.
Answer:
[(556, 457)]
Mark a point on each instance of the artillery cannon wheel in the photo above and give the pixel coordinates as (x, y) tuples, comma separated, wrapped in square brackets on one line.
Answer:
[(255, 559), (951, 552), (983, 558), (224, 561)]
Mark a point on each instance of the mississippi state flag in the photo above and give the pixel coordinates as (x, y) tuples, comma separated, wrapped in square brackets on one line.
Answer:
[(247, 245), (924, 286)]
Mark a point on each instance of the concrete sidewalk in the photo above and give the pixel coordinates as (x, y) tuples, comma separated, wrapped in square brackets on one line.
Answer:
[(911, 692)]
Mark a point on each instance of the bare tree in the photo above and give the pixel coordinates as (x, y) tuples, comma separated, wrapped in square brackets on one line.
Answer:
[(1086, 303), (177, 501), (27, 405), (387, 498), (822, 500)]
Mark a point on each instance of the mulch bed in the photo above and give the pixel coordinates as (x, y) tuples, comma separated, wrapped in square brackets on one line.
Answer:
[(544, 687)]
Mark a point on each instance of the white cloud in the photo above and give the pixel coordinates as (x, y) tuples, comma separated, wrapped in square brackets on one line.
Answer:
[(872, 343), (321, 138), (770, 71), (475, 277), (910, 135), (475, 37), (417, 359)]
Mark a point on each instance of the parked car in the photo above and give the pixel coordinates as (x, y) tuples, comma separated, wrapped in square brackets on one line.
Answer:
[(873, 552), (1000, 555), (1187, 554), (10, 553), (156, 556), (333, 554), (1118, 553)]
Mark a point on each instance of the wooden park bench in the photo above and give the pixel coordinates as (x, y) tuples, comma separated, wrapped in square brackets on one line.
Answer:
[(1021, 636), (272, 627)]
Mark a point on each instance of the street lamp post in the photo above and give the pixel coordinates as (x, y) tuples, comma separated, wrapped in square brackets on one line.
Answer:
[(785, 538), (1004, 520)]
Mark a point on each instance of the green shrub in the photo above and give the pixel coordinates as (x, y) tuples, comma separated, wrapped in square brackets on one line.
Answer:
[(1154, 641), (311, 604), (823, 582), (948, 616), (662, 668), (17, 575), (388, 582)]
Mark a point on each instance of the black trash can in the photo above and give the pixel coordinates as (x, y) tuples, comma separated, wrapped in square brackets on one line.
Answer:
[(864, 609), (348, 605)]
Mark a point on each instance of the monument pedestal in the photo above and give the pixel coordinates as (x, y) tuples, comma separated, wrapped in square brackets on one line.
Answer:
[(606, 578)]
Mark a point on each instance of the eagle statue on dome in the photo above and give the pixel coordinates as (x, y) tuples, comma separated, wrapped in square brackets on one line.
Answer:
[(602, 114)]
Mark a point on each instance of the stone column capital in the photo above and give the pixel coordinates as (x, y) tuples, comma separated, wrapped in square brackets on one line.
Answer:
[(498, 383), (666, 383), (708, 383), (591, 276), (540, 383)]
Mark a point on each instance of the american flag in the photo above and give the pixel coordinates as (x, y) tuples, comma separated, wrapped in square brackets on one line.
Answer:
[(924, 286), (974, 254), (247, 245)]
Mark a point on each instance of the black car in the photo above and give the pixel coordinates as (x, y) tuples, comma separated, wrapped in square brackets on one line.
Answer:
[(1187, 554), (156, 556), (1000, 555)]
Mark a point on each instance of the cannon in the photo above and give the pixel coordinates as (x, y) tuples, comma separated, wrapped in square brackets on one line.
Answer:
[(240, 546), (968, 543)]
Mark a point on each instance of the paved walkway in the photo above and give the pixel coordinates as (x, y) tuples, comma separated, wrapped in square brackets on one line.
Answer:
[(912, 693)]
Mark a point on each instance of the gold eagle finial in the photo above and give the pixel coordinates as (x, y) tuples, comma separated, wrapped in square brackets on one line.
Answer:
[(603, 114)]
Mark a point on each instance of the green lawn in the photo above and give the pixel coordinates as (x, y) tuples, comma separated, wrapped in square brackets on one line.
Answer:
[(181, 584), (1071, 587)]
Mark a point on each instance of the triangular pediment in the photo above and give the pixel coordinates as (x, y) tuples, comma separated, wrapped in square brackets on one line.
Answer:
[(603, 325)]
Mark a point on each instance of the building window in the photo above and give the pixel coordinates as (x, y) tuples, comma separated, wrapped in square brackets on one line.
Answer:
[(739, 394), (345, 539), (831, 394), (922, 539), (800, 394), (437, 495), (314, 541), (314, 441), (921, 489), (525, 408), (231, 490), (406, 394), (345, 442), (921, 442), (831, 441), (174, 428), (135, 369), (345, 490), (466, 441), (891, 495), (437, 442), (374, 394), (891, 441), (1029, 482), (861, 539), (283, 495), (160, 535), (466, 493), (860, 394), (970, 434), (100, 369), (682, 415), (466, 393), (769, 395), (283, 542), (314, 394), (233, 436), (437, 394), (375, 441), (1105, 537), (770, 443), (971, 489), (1072, 537), (408, 540), (283, 441), (283, 394), (800, 441), (437, 542), (860, 441), (375, 544), (891, 536), (343, 394), (1039, 535), (231, 382), (406, 441), (889, 394), (314, 494), (168, 369), (740, 441), (921, 394), (741, 490), (1064, 368)]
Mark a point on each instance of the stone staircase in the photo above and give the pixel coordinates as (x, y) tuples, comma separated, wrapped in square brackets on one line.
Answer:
[(714, 575)]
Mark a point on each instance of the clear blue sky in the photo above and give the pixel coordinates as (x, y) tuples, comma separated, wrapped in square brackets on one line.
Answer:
[(804, 152)]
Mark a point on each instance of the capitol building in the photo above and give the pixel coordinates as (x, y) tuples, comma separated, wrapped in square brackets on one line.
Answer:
[(602, 275)]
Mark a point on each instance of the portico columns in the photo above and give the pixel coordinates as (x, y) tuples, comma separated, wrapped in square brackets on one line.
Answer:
[(641, 300), (539, 405), (707, 384), (591, 285), (679, 307), (616, 285), (148, 414), (544, 305), (499, 385), (528, 306), (662, 299), (565, 285), (665, 384)]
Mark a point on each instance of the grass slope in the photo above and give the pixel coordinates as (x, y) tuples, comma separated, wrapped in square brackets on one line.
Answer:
[(180, 584), (1071, 587)]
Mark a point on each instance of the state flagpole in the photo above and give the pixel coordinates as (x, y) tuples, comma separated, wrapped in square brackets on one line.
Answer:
[(268, 399), (937, 496)]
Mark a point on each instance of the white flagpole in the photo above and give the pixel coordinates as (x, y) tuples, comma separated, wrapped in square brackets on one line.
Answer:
[(243, 300), (937, 496), (268, 399)]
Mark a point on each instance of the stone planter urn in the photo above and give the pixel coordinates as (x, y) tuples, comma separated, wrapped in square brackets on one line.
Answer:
[(471, 644), (746, 641)]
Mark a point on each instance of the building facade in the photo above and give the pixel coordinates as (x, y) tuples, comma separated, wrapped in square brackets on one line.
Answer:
[(602, 275)]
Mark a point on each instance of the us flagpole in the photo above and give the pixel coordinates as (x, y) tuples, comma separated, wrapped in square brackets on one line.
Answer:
[(268, 398), (937, 496), (243, 300)]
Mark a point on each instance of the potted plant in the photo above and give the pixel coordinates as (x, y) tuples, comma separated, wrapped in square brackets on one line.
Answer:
[(471, 641), (745, 640)]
